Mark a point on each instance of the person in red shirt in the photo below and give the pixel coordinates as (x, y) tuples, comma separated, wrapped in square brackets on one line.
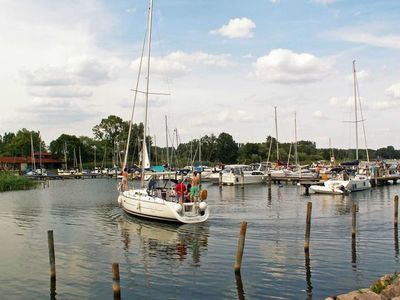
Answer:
[(180, 190)]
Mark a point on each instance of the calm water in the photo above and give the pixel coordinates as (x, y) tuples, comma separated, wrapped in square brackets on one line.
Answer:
[(160, 261)]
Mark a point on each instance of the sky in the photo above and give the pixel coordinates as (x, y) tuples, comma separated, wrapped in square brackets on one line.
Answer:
[(223, 65)]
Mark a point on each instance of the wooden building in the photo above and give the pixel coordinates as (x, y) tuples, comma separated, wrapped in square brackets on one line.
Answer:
[(23, 163)]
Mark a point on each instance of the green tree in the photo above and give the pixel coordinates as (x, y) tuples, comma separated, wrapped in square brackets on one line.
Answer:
[(227, 149), (4, 140), (20, 144), (111, 129), (66, 144)]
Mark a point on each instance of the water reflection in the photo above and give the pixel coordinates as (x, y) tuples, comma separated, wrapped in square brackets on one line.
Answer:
[(53, 288), (269, 197), (308, 273), (396, 241), (239, 286), (353, 253), (168, 241)]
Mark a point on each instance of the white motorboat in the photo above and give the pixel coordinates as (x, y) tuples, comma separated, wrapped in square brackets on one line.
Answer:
[(157, 203), (244, 174), (341, 186)]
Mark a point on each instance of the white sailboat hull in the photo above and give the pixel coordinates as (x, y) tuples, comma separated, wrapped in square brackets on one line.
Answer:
[(137, 202)]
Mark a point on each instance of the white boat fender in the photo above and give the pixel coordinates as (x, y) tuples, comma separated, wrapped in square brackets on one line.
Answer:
[(178, 208), (203, 206), (119, 200)]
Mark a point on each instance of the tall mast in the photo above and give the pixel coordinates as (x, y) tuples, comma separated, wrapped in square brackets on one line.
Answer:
[(270, 147), (155, 150), (147, 88), (65, 155), (40, 152), (200, 152), (166, 137), (276, 135), (94, 147), (33, 155), (80, 159), (295, 140), (355, 106)]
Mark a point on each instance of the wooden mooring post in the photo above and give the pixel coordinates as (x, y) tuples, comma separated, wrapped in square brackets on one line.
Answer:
[(240, 247), (308, 227), (396, 210), (52, 260), (353, 221), (116, 285)]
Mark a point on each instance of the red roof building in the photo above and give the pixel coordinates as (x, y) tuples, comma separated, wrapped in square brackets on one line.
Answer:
[(23, 163)]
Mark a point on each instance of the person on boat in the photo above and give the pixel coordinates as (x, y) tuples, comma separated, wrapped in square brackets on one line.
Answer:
[(125, 179), (180, 191), (187, 194), (151, 186), (194, 190)]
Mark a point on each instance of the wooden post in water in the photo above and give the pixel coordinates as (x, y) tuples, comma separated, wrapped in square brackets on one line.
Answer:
[(242, 179), (396, 210), (308, 227), (52, 257), (269, 180), (240, 247), (353, 221), (115, 285), (220, 179)]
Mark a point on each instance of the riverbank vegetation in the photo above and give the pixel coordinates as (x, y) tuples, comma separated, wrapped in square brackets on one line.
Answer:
[(11, 182), (107, 145)]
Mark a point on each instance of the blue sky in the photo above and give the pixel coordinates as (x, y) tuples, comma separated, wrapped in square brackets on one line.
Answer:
[(226, 64)]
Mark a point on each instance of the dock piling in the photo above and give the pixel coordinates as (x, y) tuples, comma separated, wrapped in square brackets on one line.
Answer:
[(116, 285), (308, 227), (52, 258), (353, 221), (396, 210), (240, 247)]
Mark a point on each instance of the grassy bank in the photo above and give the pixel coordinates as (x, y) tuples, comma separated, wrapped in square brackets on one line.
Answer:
[(10, 182)]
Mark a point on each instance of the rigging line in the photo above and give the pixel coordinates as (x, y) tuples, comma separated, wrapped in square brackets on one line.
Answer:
[(147, 89), (135, 98), (270, 148), (362, 121), (155, 93)]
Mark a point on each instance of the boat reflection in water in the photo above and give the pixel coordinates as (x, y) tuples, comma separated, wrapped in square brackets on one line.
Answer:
[(165, 240)]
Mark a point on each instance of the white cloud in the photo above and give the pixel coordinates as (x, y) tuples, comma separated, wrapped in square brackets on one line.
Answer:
[(274, 1), (356, 35), (333, 101), (74, 80), (236, 28), (393, 91), (361, 76), (324, 2), (286, 66), (371, 105), (178, 63), (81, 70), (382, 105), (130, 10), (64, 91), (319, 115)]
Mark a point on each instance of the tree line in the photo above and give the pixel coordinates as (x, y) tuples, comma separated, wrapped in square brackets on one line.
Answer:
[(107, 147)]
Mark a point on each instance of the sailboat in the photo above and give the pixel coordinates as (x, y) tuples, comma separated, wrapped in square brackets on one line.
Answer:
[(36, 171), (345, 183), (157, 202)]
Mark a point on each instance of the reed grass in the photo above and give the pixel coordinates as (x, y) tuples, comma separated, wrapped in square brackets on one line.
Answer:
[(11, 182)]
